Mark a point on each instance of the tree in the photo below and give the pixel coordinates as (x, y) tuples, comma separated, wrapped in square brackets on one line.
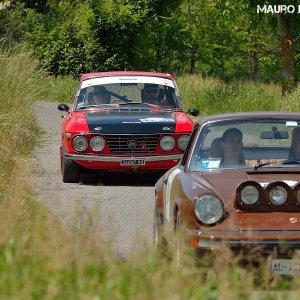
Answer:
[(288, 24)]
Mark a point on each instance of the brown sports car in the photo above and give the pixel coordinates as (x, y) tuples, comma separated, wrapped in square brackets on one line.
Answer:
[(238, 184)]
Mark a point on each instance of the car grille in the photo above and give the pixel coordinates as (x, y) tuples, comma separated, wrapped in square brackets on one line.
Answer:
[(128, 143)]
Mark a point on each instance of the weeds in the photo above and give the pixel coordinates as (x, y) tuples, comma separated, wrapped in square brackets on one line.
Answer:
[(40, 259)]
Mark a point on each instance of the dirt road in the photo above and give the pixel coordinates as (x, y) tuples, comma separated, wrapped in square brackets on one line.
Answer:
[(120, 205)]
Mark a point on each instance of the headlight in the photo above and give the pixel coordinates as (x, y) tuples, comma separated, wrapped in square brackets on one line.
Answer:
[(167, 143), (80, 143), (208, 209), (277, 195), (249, 194), (97, 143), (183, 141)]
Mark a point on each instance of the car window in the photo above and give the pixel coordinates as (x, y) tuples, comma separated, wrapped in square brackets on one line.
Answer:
[(246, 144), (129, 91)]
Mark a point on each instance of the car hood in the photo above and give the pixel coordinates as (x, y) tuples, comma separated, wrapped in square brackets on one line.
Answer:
[(131, 122), (224, 184)]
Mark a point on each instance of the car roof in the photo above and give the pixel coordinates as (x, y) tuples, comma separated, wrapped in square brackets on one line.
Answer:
[(249, 116), (125, 73)]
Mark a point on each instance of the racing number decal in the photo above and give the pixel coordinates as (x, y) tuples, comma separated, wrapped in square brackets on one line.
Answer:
[(168, 194)]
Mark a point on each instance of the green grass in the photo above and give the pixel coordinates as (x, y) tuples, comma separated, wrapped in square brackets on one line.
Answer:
[(40, 259), (212, 96), (58, 89)]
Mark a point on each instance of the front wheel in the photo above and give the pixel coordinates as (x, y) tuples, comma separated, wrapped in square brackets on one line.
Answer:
[(157, 225), (179, 243), (70, 171)]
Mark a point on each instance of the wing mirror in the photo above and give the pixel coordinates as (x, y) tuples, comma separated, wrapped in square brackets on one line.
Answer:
[(193, 112), (63, 107)]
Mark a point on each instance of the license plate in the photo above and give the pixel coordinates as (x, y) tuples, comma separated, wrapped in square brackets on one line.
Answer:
[(286, 266), (132, 162)]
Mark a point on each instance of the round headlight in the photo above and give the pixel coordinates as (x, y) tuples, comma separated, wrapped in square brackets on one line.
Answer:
[(249, 194), (278, 195), (97, 143), (208, 209), (167, 143), (183, 141), (80, 143)]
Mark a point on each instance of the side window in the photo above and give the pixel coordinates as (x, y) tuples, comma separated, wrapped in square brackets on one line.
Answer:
[(189, 145), (81, 98)]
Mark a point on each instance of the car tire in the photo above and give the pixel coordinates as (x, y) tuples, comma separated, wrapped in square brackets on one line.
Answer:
[(70, 171), (159, 240), (178, 242), (157, 225)]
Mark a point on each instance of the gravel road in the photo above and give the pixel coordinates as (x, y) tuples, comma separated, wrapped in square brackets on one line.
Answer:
[(120, 205)]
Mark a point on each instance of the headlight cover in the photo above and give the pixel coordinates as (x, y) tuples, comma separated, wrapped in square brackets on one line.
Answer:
[(80, 143), (209, 209), (97, 143), (183, 141), (167, 142), (278, 195), (249, 194)]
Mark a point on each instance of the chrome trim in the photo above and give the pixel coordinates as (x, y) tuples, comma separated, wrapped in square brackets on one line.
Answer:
[(242, 232), (89, 157), (242, 242)]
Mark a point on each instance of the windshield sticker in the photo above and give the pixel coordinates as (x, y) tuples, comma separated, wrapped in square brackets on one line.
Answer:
[(291, 124), (127, 79), (210, 164)]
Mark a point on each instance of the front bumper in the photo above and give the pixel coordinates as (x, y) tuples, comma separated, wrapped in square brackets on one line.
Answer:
[(91, 158), (263, 242), (113, 163)]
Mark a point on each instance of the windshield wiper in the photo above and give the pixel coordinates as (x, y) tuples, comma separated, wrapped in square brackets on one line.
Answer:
[(291, 162), (129, 103), (286, 162), (87, 106)]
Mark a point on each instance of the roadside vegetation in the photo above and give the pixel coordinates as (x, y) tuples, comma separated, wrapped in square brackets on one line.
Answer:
[(40, 259)]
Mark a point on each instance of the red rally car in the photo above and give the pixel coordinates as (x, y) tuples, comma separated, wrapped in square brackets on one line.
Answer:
[(124, 121)]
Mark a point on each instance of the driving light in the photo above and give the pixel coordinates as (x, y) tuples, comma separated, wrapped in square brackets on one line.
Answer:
[(277, 195), (97, 143), (249, 194), (208, 209), (80, 143), (167, 142), (183, 141)]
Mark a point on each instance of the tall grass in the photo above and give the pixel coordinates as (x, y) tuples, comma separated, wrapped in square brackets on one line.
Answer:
[(58, 89), (18, 128), (40, 259), (213, 96)]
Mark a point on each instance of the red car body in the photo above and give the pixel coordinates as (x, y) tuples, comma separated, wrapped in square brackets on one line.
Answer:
[(126, 134)]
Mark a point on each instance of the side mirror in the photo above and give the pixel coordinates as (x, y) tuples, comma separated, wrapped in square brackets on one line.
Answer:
[(193, 112), (63, 107)]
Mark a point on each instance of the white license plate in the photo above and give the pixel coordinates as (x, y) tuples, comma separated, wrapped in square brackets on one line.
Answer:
[(132, 162), (286, 266)]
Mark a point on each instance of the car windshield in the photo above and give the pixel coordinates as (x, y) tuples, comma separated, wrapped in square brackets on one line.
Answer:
[(247, 144), (127, 91)]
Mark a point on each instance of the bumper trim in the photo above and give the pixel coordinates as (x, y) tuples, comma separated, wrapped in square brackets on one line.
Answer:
[(240, 233), (207, 239), (89, 157)]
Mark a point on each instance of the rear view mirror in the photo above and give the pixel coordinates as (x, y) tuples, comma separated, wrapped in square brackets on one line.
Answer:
[(276, 134)]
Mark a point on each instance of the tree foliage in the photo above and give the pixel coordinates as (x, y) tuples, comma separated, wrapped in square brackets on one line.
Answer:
[(226, 39)]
